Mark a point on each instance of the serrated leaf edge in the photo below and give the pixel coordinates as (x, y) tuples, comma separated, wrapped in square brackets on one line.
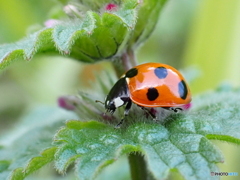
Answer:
[(24, 170), (6, 58), (224, 138)]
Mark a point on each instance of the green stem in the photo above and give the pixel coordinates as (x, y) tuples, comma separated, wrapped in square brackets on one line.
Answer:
[(118, 66), (138, 166), (131, 59), (124, 62)]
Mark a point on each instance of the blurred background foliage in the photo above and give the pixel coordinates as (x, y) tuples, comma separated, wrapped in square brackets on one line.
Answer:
[(200, 37)]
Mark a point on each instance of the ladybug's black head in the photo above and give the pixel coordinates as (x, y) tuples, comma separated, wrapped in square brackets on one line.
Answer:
[(118, 96), (110, 106)]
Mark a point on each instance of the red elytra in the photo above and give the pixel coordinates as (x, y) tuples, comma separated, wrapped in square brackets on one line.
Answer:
[(158, 85)]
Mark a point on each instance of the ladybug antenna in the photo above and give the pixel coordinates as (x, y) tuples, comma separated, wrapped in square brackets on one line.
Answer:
[(97, 101)]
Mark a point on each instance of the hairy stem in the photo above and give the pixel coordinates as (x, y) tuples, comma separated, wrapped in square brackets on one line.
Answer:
[(138, 167), (125, 62), (132, 57)]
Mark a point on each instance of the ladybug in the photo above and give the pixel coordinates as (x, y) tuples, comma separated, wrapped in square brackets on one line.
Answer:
[(149, 85)]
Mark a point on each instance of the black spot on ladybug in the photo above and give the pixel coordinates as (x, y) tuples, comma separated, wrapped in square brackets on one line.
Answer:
[(161, 72), (152, 94), (182, 89), (131, 73)]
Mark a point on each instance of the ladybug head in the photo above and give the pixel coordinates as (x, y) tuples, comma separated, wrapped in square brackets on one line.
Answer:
[(118, 96), (110, 106)]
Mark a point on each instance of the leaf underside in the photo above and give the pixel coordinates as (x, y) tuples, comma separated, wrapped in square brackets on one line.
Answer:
[(97, 37)]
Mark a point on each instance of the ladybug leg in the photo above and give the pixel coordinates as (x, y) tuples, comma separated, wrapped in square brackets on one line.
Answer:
[(174, 109), (126, 111), (151, 112)]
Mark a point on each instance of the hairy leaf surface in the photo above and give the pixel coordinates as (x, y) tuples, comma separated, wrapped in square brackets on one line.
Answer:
[(23, 145), (181, 143)]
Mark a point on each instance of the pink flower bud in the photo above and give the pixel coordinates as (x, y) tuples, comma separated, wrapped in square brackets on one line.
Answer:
[(51, 22), (111, 7), (68, 102)]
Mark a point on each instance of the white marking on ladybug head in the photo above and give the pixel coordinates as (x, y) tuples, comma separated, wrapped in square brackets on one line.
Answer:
[(127, 80), (118, 102)]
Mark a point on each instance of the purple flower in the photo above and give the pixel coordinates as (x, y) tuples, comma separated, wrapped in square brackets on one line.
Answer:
[(68, 102)]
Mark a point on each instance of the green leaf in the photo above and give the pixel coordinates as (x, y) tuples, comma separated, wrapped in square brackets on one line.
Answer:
[(95, 38), (182, 143), (19, 156), (4, 165), (34, 164), (148, 15)]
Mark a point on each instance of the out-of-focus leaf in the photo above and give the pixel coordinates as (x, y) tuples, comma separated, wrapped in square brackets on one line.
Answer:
[(24, 143)]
